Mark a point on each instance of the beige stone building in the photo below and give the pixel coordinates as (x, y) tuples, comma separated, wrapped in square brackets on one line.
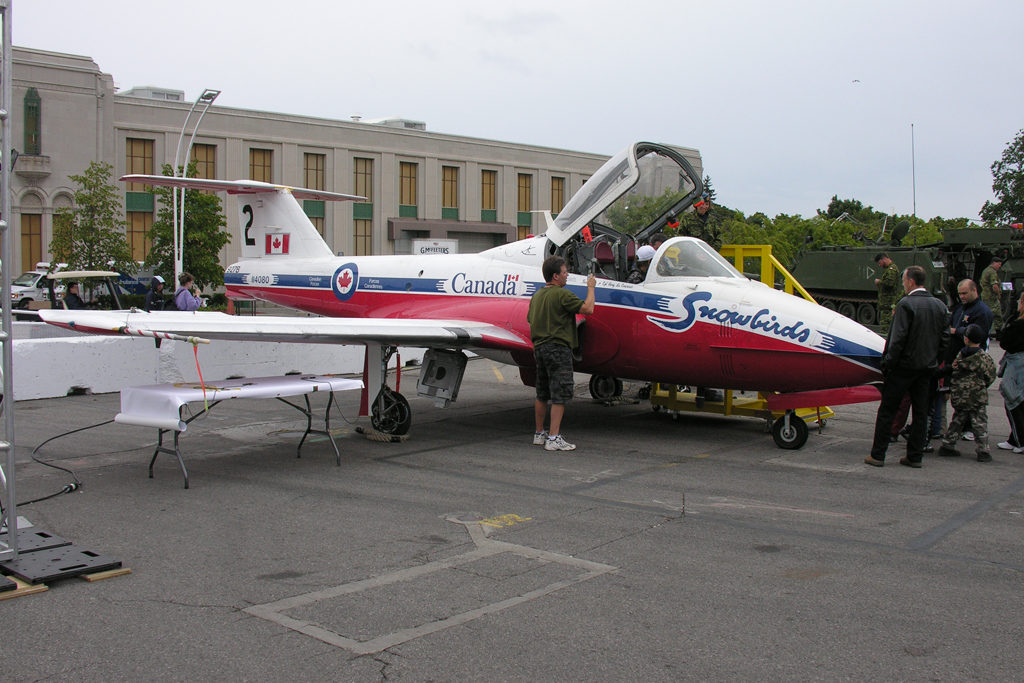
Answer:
[(419, 184)]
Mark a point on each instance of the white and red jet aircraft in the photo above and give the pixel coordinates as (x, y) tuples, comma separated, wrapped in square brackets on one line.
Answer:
[(695, 320)]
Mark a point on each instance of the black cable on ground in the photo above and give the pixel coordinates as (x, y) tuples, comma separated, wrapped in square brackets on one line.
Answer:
[(69, 487)]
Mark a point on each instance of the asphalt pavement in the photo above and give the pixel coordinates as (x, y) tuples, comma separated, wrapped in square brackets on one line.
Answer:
[(689, 549)]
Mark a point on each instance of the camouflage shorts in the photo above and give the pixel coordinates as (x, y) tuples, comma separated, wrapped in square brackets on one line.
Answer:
[(554, 372)]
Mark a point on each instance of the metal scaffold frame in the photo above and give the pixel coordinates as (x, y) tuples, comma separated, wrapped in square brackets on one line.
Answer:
[(8, 550)]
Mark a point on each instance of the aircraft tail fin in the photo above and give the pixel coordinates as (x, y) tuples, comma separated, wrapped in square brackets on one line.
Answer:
[(549, 222), (273, 224)]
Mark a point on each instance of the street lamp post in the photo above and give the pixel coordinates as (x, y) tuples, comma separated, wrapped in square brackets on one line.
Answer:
[(202, 103)]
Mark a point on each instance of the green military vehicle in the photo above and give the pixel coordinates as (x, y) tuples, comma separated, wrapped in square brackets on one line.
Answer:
[(843, 278)]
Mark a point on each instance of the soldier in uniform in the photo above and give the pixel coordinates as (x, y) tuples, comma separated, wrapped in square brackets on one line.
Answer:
[(702, 223), (973, 373), (992, 292), (890, 291)]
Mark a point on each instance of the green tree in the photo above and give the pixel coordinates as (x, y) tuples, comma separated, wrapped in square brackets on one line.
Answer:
[(709, 189), (91, 235), (632, 213), (1008, 186), (204, 235)]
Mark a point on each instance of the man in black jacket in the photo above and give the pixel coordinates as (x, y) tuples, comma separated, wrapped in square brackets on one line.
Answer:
[(917, 341)]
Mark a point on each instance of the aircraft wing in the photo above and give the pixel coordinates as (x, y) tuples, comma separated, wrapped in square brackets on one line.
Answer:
[(240, 187), (219, 326)]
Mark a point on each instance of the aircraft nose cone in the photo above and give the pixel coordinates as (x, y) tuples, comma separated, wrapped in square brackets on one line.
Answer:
[(857, 351)]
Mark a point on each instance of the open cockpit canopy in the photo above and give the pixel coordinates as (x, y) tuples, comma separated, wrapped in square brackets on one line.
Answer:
[(634, 195)]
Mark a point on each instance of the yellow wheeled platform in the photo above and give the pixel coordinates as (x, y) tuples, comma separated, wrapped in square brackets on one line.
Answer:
[(670, 397), (792, 435)]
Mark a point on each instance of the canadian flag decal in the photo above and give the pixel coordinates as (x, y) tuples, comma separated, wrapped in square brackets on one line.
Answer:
[(277, 243)]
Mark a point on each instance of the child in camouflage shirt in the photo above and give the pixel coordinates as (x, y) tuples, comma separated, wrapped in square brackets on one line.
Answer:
[(973, 373)]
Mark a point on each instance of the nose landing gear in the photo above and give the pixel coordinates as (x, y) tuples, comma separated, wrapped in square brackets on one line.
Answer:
[(790, 431)]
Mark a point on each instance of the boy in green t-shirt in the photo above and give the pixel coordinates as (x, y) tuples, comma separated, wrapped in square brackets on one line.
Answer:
[(552, 318)]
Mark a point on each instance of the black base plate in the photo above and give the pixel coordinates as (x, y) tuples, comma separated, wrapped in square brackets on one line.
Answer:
[(6, 584), (32, 539), (66, 561)]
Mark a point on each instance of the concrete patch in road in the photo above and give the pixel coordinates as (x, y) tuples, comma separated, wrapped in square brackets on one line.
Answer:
[(820, 455), (540, 572)]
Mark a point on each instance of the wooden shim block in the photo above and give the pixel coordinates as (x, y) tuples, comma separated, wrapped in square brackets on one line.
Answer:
[(23, 589), (109, 574)]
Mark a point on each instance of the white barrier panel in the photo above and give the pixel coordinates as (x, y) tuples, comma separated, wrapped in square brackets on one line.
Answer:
[(47, 368)]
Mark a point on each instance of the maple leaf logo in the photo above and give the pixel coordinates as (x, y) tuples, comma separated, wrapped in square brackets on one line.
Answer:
[(277, 243), (344, 280)]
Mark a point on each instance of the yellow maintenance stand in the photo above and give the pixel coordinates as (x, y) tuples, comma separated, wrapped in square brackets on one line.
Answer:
[(788, 433)]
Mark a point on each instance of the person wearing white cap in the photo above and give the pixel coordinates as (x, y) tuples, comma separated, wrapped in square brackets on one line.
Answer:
[(643, 262)]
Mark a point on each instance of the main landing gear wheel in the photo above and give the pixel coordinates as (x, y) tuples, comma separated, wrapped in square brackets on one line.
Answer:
[(391, 413), (791, 436), (605, 386)]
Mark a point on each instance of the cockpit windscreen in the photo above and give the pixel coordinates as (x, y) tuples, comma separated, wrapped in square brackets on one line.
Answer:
[(683, 257)]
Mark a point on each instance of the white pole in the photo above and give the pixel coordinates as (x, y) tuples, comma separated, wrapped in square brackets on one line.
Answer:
[(207, 98), (10, 549)]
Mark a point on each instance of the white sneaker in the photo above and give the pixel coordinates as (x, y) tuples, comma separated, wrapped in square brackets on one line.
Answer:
[(1018, 450), (1005, 445), (540, 437), (557, 443), (968, 436)]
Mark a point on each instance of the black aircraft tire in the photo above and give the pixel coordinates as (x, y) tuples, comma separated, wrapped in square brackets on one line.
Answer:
[(794, 437), (396, 417), (605, 386)]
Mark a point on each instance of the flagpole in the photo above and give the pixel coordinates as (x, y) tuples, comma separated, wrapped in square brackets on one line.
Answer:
[(913, 168)]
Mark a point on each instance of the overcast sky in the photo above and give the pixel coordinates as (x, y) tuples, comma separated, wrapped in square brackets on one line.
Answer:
[(789, 102)]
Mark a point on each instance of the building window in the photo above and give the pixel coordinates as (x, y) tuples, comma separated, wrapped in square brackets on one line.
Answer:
[(407, 190), (488, 190), (205, 159), (450, 193), (408, 180), (362, 212), (488, 196), (138, 224), (557, 195), (139, 159), (363, 183), (138, 200), (31, 240), (33, 122), (260, 165), (525, 218), (313, 166), (363, 237)]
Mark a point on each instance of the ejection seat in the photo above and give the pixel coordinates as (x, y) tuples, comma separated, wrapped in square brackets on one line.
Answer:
[(604, 256)]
